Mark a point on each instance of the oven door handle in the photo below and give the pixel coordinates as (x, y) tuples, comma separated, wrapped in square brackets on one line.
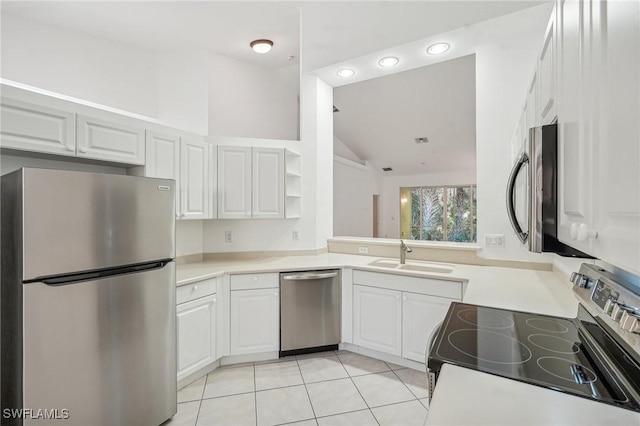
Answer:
[(511, 197)]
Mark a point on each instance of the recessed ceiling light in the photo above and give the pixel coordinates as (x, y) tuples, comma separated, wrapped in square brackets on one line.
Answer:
[(261, 46), (438, 48), (388, 62), (346, 72)]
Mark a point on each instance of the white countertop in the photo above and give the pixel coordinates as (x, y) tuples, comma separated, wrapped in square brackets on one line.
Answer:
[(465, 396)]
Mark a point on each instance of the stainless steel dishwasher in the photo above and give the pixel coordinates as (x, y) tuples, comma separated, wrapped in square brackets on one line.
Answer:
[(310, 308)]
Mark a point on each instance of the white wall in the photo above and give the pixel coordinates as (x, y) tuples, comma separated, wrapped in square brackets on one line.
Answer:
[(353, 188), (171, 87), (189, 237), (390, 199), (81, 66), (503, 72), (342, 150), (250, 101)]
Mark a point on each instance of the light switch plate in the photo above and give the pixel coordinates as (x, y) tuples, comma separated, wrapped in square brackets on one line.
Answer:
[(363, 250), (228, 237), (494, 239)]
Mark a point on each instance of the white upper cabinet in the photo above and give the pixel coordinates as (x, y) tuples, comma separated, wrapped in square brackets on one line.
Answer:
[(598, 108), (104, 140), (188, 162), (234, 182), (163, 160), (547, 75), (267, 183), (251, 182), (574, 120), (35, 128), (615, 148), (194, 178)]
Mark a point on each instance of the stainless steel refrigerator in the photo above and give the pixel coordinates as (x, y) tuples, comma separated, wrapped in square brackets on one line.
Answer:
[(87, 299)]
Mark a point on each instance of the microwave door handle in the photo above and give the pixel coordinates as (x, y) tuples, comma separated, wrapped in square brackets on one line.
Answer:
[(511, 197)]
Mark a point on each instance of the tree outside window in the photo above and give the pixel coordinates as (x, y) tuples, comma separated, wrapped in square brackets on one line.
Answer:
[(438, 213)]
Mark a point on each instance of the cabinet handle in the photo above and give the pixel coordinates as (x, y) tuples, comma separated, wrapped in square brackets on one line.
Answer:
[(83, 149), (397, 296), (215, 300), (404, 298), (584, 233), (275, 294), (573, 231), (256, 278), (195, 287), (71, 148)]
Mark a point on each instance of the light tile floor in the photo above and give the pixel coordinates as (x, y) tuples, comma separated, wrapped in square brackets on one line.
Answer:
[(326, 389)]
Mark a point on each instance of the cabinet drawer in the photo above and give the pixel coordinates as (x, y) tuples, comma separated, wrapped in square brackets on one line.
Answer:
[(194, 291), (255, 281), (430, 286)]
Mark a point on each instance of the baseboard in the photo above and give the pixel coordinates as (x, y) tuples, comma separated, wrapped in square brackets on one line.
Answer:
[(383, 356)]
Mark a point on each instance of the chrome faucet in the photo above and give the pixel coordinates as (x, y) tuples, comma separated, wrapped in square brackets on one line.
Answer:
[(404, 249)]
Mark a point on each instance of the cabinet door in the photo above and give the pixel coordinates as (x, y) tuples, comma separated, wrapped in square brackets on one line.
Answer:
[(255, 321), (103, 140), (194, 168), (234, 182), (420, 315), (616, 138), (377, 319), (35, 128), (267, 183), (163, 160), (547, 74), (574, 119), (196, 325)]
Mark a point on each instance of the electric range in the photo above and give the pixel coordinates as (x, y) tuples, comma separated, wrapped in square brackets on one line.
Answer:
[(594, 355)]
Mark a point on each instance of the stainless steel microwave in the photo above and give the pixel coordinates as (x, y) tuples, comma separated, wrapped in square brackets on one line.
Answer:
[(532, 194)]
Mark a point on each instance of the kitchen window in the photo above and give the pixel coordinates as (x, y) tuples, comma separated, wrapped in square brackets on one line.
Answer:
[(438, 213)]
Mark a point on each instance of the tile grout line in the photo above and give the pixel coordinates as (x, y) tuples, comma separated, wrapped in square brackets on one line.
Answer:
[(307, 391), (359, 393), (405, 385), (255, 393), (201, 399)]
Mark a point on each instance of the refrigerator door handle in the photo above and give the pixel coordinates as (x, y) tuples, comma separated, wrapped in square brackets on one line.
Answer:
[(511, 197), (59, 280)]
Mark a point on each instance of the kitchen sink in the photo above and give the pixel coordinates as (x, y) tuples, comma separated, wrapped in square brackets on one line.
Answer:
[(412, 266)]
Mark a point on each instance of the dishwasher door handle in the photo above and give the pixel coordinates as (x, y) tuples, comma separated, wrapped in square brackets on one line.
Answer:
[(310, 276)]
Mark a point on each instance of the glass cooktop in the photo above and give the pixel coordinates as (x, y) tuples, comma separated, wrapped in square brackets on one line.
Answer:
[(541, 350)]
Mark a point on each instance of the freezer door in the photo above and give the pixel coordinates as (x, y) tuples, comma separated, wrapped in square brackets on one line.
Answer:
[(74, 221), (104, 350)]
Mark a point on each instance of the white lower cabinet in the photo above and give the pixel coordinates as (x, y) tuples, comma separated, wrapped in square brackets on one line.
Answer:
[(196, 326), (396, 314), (420, 315), (255, 321), (377, 319)]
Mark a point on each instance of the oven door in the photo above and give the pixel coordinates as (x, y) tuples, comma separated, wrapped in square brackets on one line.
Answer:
[(432, 375)]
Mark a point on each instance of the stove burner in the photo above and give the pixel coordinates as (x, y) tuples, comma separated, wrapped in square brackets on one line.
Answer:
[(567, 370), (554, 343), (489, 346), (547, 325), (488, 319)]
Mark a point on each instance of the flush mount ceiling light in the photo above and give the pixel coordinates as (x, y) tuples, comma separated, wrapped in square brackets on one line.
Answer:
[(438, 48), (346, 72), (261, 46), (388, 62)]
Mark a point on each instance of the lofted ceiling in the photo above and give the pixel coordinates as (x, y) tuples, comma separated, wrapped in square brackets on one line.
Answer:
[(332, 31), (378, 119)]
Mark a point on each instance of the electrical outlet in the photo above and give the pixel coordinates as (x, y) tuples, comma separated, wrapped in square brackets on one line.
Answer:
[(294, 235), (363, 250), (494, 240), (228, 237)]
